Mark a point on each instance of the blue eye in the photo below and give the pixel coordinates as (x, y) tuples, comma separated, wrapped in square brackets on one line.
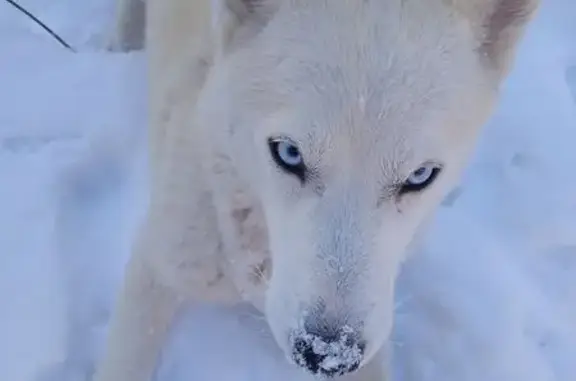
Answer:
[(421, 178), (287, 156)]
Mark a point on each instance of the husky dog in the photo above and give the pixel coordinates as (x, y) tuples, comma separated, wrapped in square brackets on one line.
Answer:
[(297, 147)]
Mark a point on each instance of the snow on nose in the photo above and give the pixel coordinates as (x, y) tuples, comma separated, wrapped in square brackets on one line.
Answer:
[(328, 354)]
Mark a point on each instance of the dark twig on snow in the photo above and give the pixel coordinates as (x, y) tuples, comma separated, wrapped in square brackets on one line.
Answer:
[(41, 24)]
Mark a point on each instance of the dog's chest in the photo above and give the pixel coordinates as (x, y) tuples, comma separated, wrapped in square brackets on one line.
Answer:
[(244, 233), (247, 250)]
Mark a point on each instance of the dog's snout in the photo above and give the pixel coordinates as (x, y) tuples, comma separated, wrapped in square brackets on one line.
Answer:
[(328, 353)]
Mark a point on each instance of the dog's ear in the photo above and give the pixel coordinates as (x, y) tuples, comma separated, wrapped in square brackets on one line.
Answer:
[(498, 26), (228, 16)]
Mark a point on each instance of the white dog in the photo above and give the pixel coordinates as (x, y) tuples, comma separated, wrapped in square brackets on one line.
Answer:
[(297, 147)]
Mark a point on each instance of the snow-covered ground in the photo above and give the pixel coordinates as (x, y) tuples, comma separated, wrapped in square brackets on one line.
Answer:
[(491, 296)]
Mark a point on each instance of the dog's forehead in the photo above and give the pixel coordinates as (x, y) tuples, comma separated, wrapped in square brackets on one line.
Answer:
[(365, 80), (345, 70), (370, 106)]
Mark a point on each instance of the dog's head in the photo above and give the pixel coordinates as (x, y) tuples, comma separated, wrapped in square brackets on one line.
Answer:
[(352, 120)]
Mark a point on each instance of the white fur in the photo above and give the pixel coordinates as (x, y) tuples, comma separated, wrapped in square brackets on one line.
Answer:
[(370, 90)]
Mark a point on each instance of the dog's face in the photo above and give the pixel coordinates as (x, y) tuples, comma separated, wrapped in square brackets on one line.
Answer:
[(352, 120)]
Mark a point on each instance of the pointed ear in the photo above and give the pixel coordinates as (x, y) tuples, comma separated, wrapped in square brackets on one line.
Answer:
[(499, 25), (228, 16)]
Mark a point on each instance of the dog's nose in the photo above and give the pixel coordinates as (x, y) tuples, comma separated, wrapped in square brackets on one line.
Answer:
[(328, 354)]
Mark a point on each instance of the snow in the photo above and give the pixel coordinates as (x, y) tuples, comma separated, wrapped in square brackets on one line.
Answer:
[(491, 295), (337, 357)]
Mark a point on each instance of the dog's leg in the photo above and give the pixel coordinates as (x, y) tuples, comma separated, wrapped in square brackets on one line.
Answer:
[(128, 31), (176, 258), (143, 313)]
